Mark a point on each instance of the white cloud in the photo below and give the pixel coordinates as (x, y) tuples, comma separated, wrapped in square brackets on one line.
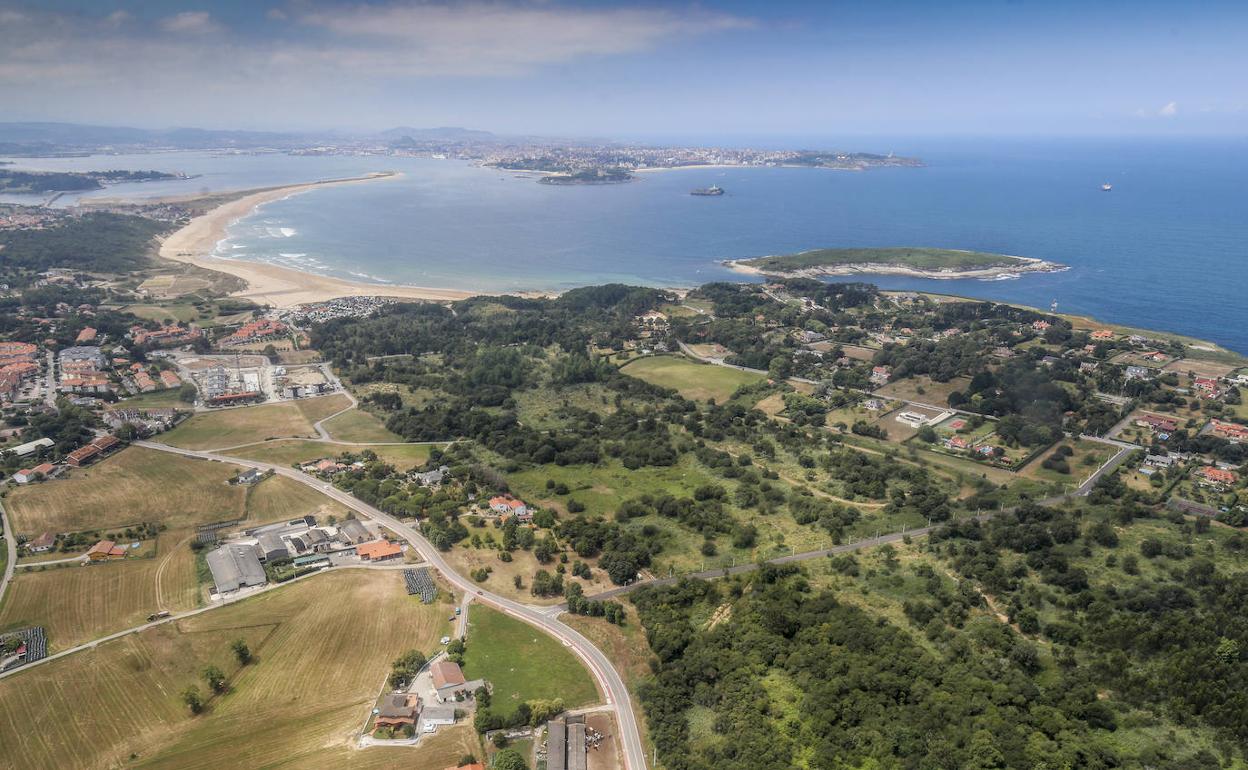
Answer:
[(496, 38), (190, 22), (190, 62), (1170, 110)]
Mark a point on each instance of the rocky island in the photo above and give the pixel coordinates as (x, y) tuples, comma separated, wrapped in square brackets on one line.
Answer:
[(920, 262)]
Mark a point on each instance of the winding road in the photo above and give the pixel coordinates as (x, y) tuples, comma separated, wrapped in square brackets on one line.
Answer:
[(604, 673)]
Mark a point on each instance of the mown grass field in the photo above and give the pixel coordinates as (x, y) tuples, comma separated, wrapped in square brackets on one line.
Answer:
[(290, 451), (523, 663), (231, 427), (322, 648), (359, 426), (692, 380), (133, 485), (76, 603), (159, 399)]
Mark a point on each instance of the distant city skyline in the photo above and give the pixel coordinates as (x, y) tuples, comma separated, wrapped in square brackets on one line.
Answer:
[(632, 70)]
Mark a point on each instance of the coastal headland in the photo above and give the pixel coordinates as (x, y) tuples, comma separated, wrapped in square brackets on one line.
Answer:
[(271, 284), (918, 262)]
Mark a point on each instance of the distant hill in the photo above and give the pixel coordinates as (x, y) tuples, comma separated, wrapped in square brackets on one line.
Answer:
[(44, 138)]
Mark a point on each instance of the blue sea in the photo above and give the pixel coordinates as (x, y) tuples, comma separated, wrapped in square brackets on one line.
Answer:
[(1166, 249)]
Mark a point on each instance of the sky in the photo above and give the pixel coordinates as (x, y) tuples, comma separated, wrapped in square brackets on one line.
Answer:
[(639, 70)]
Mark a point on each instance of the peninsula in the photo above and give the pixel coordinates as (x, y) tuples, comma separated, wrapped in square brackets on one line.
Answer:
[(920, 262)]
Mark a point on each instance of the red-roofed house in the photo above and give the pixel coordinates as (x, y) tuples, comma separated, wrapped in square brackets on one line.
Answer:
[(1216, 477), (82, 456), (508, 505), (1232, 431), (378, 550), (106, 443), (1157, 422), (86, 335), (106, 550)]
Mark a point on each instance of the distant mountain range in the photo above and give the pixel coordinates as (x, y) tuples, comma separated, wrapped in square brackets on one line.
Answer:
[(15, 137), (34, 138)]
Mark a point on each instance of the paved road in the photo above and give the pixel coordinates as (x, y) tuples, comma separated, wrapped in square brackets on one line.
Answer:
[(10, 545), (49, 386), (608, 679), (82, 557)]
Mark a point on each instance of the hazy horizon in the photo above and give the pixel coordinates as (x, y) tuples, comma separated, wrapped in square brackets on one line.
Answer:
[(632, 70)]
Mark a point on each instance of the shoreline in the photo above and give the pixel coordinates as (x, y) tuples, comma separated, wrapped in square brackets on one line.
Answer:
[(280, 287), (992, 273)]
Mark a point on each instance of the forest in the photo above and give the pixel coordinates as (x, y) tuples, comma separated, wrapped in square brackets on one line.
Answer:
[(1104, 638)]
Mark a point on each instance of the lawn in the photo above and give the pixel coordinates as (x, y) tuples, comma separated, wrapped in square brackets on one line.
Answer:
[(291, 451), (232, 427), (179, 311), (359, 426), (924, 389), (523, 663), (322, 648), (132, 486), (692, 380)]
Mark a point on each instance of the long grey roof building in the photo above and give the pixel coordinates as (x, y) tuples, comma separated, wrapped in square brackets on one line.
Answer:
[(235, 566)]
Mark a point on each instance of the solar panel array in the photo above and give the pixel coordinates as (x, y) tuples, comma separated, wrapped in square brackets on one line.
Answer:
[(420, 583), (36, 643), (206, 534)]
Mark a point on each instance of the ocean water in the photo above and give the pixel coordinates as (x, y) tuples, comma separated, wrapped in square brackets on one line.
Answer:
[(1166, 249)]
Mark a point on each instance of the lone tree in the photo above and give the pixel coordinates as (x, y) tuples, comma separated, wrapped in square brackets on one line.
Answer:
[(215, 678), (510, 759), (192, 699), (404, 670), (241, 651)]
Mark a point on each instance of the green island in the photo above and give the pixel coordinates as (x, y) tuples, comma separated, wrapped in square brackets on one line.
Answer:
[(922, 261), (589, 176), (37, 182)]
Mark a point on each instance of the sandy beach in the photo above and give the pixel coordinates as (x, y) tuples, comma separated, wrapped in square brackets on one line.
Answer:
[(271, 284)]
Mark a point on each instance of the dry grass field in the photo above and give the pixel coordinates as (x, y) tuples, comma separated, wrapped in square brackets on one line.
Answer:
[(78, 603), (322, 648), (132, 486), (359, 426), (288, 452), (923, 389), (319, 408), (231, 427)]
